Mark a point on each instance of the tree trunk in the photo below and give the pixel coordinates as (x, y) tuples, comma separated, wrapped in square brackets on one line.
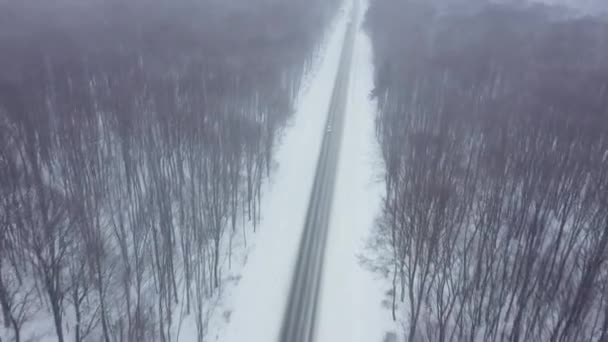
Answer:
[(57, 320), (216, 263)]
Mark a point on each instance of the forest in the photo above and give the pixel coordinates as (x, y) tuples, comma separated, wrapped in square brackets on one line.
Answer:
[(135, 137), (493, 126)]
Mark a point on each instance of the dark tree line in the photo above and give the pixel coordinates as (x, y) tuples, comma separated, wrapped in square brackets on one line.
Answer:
[(493, 122), (134, 138)]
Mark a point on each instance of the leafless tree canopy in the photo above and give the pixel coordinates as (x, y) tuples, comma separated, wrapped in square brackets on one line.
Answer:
[(134, 137), (493, 122)]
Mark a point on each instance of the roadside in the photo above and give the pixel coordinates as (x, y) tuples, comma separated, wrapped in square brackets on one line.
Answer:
[(351, 306)]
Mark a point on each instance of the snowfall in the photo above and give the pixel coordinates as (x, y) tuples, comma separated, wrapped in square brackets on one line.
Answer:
[(258, 275), (350, 309), (351, 305)]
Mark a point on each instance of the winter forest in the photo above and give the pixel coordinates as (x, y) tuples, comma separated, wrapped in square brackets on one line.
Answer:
[(154, 180), (134, 139), (493, 125)]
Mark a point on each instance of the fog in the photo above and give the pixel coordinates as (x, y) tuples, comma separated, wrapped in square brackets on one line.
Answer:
[(492, 121), (166, 29), (134, 137), (138, 139), (586, 6)]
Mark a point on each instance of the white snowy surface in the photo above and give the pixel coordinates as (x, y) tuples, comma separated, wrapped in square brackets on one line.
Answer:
[(252, 307), (351, 296)]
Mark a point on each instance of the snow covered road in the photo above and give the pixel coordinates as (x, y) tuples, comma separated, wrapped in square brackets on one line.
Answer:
[(349, 306), (299, 320), (351, 297), (254, 307)]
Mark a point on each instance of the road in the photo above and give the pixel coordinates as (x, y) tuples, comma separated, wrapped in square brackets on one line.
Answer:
[(299, 320)]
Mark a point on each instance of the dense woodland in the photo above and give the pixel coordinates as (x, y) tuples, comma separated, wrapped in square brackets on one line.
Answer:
[(134, 140), (493, 123)]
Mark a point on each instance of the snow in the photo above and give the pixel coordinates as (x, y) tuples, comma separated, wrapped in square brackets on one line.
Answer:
[(351, 299), (252, 306), (252, 301)]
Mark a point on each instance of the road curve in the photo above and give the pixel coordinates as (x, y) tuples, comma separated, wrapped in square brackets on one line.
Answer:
[(299, 320)]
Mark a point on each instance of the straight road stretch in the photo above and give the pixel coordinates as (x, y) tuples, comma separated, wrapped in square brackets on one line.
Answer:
[(300, 315)]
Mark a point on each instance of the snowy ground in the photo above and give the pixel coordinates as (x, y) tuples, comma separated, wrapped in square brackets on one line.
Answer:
[(351, 298), (252, 306)]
